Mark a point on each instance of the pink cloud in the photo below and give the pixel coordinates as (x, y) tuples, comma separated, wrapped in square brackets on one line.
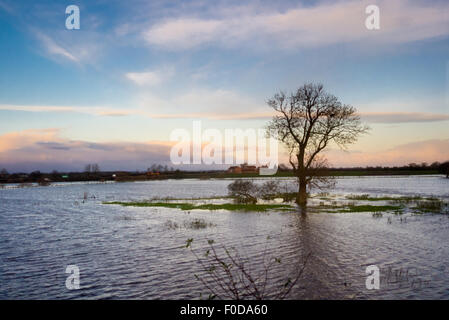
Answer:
[(423, 151), (46, 150), (21, 139)]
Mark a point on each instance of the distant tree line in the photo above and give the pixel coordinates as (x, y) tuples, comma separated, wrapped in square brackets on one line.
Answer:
[(423, 166), (92, 168), (92, 172), (159, 168)]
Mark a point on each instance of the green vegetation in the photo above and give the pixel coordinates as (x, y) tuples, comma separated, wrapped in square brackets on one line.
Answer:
[(245, 195), (359, 197), (396, 206), (369, 208), (350, 207), (322, 196), (189, 206), (434, 206), (163, 199), (367, 197)]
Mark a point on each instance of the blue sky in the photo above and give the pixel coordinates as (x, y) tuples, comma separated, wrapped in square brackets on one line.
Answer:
[(137, 70)]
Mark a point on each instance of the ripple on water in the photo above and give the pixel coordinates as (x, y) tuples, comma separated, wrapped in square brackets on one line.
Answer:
[(126, 252)]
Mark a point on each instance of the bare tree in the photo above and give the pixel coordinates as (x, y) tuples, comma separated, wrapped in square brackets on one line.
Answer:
[(444, 168), (243, 191), (95, 167), (88, 168), (269, 190), (228, 275), (307, 122)]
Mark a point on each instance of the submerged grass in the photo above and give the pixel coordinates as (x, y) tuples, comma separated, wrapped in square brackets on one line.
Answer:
[(190, 199), (350, 207), (195, 224), (434, 206), (395, 205), (198, 224), (370, 208), (189, 206), (367, 197)]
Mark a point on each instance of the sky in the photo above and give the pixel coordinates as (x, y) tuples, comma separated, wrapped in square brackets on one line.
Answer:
[(113, 91)]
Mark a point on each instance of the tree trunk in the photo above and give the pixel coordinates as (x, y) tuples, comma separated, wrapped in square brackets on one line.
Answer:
[(301, 198)]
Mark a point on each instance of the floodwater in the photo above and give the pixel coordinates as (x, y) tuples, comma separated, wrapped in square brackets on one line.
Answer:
[(132, 253)]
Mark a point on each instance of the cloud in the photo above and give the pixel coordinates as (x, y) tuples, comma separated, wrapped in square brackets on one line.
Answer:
[(98, 111), (324, 24), (20, 139), (422, 151), (46, 150), (144, 78), (81, 47), (6, 7), (53, 145), (150, 78), (200, 103), (55, 49), (402, 117), (215, 105)]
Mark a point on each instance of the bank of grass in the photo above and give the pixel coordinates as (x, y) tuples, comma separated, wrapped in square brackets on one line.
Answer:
[(350, 207), (370, 208), (190, 206), (417, 204), (190, 199), (367, 197), (395, 205)]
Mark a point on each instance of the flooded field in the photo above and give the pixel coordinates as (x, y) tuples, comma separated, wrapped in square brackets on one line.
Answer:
[(139, 252)]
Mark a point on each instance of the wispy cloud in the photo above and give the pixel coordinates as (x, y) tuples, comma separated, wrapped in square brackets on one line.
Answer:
[(320, 25), (55, 49), (6, 7), (220, 105), (200, 100), (39, 108), (401, 117), (150, 78)]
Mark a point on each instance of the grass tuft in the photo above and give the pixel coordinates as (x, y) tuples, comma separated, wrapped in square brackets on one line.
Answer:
[(433, 206)]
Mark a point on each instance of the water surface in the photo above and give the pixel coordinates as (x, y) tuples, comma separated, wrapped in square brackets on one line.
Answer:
[(128, 252)]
